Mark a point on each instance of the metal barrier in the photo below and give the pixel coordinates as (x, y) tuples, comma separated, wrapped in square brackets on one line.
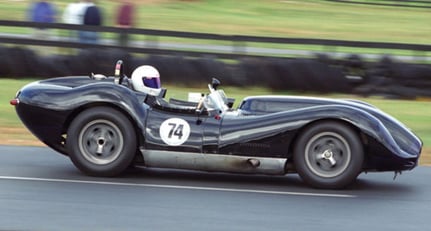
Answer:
[(238, 42), (393, 3)]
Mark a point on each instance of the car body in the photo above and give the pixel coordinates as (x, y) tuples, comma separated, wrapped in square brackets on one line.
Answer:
[(105, 127)]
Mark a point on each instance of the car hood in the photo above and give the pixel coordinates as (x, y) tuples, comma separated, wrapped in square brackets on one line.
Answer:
[(258, 105)]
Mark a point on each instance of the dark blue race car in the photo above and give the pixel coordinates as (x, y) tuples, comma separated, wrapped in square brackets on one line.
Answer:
[(105, 125)]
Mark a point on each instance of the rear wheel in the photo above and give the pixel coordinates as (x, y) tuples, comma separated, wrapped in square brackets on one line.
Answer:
[(101, 142), (328, 155)]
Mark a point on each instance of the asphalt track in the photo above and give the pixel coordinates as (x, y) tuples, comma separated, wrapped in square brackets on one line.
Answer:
[(42, 190)]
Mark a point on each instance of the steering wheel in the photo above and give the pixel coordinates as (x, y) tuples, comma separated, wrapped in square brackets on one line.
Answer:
[(119, 73)]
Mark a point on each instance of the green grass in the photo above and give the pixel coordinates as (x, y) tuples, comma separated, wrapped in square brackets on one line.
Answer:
[(309, 19), (415, 114), (8, 90)]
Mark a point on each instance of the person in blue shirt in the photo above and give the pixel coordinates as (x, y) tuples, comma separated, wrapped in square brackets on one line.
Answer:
[(92, 17), (44, 12)]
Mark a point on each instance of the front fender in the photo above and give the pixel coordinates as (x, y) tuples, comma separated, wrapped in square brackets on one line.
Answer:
[(251, 128), (364, 121)]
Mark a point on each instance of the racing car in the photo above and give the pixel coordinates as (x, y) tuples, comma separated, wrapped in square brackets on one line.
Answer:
[(106, 124)]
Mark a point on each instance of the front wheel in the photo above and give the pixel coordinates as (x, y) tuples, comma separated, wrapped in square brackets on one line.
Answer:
[(101, 142), (328, 155)]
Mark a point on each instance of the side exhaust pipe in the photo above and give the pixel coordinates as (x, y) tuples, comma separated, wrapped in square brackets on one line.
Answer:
[(214, 162)]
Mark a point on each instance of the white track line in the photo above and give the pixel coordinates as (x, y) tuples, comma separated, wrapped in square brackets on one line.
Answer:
[(177, 187)]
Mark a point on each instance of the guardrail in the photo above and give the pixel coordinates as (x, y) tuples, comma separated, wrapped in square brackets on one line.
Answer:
[(393, 3), (239, 42)]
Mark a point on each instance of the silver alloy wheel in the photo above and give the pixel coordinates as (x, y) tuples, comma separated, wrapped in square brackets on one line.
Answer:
[(327, 154), (100, 142)]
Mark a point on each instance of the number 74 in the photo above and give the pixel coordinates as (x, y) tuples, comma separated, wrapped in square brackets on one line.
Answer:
[(176, 130)]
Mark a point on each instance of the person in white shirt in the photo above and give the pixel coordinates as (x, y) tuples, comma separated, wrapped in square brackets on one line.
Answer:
[(74, 14)]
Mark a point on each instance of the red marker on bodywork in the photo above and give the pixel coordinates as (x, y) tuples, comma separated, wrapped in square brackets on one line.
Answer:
[(14, 102)]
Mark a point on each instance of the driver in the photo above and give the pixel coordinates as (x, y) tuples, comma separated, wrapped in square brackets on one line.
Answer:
[(146, 79)]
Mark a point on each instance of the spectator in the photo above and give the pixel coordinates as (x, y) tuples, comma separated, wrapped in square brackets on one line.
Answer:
[(74, 13), (92, 17), (124, 20), (43, 12)]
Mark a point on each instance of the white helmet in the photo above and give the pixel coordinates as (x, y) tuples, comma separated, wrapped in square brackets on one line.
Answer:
[(146, 79)]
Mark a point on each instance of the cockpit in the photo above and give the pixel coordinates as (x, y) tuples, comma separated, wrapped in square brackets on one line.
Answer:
[(215, 101)]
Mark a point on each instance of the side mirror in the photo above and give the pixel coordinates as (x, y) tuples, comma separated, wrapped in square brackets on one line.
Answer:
[(215, 83)]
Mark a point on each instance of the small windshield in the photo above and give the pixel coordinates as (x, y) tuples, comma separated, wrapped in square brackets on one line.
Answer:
[(216, 100)]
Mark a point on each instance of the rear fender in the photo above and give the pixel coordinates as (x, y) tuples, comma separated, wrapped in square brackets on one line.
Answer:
[(118, 97)]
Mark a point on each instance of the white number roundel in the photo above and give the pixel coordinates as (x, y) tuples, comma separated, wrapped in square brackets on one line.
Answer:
[(174, 131)]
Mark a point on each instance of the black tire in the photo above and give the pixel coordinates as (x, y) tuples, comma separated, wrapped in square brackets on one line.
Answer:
[(101, 141), (328, 155)]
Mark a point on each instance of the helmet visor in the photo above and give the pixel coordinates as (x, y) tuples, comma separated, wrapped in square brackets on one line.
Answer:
[(152, 82)]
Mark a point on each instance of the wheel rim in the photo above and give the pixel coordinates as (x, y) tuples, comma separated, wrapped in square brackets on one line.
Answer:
[(101, 142), (327, 154)]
